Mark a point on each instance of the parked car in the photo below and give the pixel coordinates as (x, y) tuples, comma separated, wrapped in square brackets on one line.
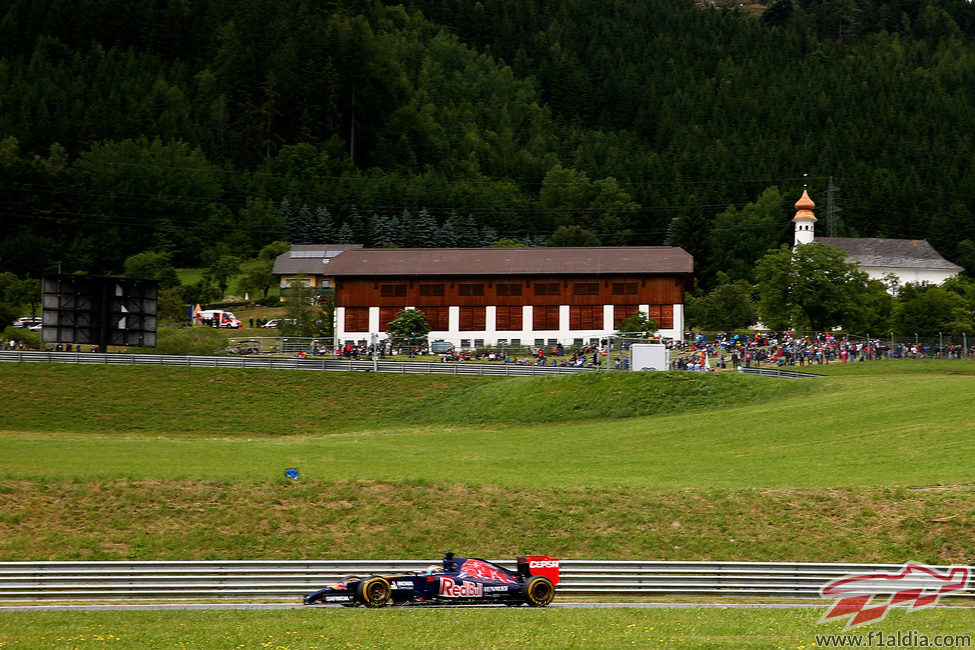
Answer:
[(246, 346), (441, 347), (29, 322), (275, 323), (455, 582)]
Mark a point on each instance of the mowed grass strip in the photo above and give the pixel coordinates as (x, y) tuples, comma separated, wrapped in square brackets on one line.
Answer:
[(455, 628), (205, 520), (781, 461), (910, 430), (204, 401), (232, 402)]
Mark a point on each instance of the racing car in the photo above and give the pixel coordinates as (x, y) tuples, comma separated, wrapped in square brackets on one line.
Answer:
[(457, 581)]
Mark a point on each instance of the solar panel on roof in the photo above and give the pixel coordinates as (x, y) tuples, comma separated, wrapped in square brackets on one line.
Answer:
[(306, 254)]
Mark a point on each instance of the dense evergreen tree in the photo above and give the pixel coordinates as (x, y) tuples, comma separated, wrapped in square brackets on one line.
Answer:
[(176, 126), (446, 236), (290, 217), (304, 231), (380, 233), (323, 230), (424, 230), (468, 235), (487, 236), (345, 234), (738, 238)]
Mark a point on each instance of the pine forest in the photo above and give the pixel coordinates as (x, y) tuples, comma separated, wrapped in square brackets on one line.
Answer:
[(203, 128)]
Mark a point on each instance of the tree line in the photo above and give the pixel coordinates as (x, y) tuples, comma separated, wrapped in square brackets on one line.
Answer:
[(808, 289), (811, 288), (192, 128)]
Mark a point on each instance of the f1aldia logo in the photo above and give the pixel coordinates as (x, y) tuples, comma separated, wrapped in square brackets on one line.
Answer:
[(914, 586)]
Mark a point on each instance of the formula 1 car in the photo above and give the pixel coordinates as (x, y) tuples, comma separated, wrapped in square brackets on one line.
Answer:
[(456, 581)]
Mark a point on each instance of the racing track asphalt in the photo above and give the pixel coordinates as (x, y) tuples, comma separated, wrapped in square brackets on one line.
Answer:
[(197, 606)]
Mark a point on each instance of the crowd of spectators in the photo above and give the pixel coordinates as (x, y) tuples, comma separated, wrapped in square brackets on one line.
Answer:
[(778, 349), (584, 356), (697, 353)]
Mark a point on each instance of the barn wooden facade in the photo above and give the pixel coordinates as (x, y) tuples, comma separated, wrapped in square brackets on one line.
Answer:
[(516, 296)]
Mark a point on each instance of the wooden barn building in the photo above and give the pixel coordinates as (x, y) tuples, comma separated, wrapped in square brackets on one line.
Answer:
[(475, 297)]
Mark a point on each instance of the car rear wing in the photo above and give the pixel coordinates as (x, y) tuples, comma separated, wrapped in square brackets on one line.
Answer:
[(539, 565)]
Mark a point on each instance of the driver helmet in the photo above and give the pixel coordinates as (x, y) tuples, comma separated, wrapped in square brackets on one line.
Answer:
[(433, 568)]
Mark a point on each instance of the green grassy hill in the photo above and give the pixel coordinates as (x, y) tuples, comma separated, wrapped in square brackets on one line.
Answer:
[(165, 463), (208, 401)]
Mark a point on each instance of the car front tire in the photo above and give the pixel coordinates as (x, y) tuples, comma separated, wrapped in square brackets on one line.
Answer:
[(373, 592)]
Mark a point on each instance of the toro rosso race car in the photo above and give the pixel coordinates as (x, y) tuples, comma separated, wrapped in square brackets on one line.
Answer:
[(457, 581)]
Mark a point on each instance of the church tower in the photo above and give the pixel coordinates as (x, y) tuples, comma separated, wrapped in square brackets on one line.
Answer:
[(805, 220)]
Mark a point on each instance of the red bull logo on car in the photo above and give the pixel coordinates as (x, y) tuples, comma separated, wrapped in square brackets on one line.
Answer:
[(484, 571), (460, 589)]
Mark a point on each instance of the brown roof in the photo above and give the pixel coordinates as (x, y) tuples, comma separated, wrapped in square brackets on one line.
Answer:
[(511, 261), (899, 253)]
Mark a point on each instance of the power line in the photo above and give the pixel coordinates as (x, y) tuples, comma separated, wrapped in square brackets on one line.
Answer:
[(831, 209)]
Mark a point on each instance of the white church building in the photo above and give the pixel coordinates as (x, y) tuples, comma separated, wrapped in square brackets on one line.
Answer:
[(909, 260)]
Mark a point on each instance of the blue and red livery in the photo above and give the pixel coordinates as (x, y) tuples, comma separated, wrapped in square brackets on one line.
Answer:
[(457, 581)]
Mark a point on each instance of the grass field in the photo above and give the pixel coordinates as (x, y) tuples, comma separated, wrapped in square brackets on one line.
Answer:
[(883, 429), (101, 462), (467, 628)]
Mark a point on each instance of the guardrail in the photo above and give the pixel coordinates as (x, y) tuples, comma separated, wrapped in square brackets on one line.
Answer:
[(286, 363), (290, 580), (777, 372)]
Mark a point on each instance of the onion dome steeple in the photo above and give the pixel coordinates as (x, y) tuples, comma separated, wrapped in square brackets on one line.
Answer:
[(805, 220)]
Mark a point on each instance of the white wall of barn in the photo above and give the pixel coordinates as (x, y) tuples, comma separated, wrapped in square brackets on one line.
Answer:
[(490, 335)]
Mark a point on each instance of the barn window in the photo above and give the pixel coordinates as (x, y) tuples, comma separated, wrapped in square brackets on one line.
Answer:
[(585, 288), (624, 288), (546, 288)]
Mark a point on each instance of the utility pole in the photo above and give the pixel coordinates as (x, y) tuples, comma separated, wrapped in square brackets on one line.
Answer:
[(831, 209)]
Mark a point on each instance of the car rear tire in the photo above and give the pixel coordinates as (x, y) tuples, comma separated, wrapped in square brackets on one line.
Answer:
[(373, 592), (538, 591)]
